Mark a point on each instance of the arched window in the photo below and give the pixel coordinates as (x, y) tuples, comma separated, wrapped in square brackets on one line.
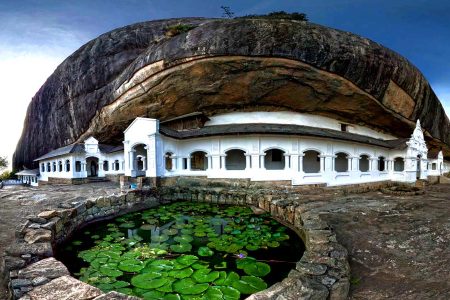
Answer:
[(364, 163), (116, 165), (60, 166), (235, 160), (199, 161), (274, 159), (54, 167), (48, 167), (67, 165), (168, 161), (341, 162), (399, 164), (105, 165), (311, 161), (78, 166), (381, 164), (42, 167)]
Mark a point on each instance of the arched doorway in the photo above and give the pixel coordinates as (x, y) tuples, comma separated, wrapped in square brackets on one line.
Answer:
[(364, 163), (92, 166), (235, 159), (311, 161), (274, 159), (399, 164), (341, 162), (199, 161), (140, 160)]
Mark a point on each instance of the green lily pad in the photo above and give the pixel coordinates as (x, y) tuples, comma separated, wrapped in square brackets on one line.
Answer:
[(183, 273), (152, 295), (205, 275), (147, 227), (221, 279), (171, 231), (205, 251), (187, 260), (171, 297), (249, 285), (127, 225), (258, 269), (110, 270), (160, 238), (230, 293), (181, 248), (187, 286), (183, 239), (130, 265), (148, 281)]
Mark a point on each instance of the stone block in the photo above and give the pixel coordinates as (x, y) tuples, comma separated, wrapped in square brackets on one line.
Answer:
[(48, 214), (36, 249), (13, 263), (65, 287), (18, 283), (49, 268), (37, 235)]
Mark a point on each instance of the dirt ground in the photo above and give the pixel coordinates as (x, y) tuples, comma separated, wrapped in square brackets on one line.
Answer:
[(399, 246)]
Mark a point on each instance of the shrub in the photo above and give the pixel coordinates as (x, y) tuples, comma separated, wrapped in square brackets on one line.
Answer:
[(178, 29), (7, 175), (280, 15)]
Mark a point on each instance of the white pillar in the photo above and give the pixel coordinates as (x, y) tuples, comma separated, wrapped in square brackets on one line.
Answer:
[(210, 164), (262, 163), (189, 163), (222, 162), (174, 163), (300, 163), (287, 162), (247, 161), (131, 159), (294, 162), (255, 161), (322, 163)]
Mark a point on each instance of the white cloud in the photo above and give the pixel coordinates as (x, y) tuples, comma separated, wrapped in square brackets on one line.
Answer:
[(30, 51)]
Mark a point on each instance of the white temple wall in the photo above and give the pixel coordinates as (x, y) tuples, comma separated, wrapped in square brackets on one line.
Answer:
[(293, 118), (255, 147)]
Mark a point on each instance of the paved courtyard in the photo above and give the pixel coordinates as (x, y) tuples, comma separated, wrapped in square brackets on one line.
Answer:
[(399, 247)]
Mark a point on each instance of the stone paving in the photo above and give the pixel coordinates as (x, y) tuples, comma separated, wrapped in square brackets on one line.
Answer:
[(398, 246)]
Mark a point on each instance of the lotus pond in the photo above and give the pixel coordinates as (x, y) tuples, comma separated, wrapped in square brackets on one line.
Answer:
[(184, 250)]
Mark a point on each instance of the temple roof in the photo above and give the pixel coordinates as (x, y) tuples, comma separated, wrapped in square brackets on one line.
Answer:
[(236, 129), (79, 149)]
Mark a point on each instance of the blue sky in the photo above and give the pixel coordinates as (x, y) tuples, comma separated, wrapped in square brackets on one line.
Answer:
[(37, 35)]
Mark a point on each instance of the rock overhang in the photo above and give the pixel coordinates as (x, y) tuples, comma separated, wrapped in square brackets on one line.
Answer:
[(260, 64)]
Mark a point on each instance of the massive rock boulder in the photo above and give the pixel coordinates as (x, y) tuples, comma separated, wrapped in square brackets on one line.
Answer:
[(220, 65)]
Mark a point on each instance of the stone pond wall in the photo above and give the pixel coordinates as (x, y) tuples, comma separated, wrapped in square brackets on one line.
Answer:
[(322, 273)]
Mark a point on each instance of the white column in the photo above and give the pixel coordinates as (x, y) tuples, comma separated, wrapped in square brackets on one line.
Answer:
[(300, 163), (255, 161), (174, 162), (294, 162), (322, 163), (287, 162), (209, 162), (144, 164), (222, 162), (247, 161), (189, 163), (261, 159), (131, 159)]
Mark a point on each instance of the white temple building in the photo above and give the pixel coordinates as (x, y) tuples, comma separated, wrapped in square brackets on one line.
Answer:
[(79, 161), (259, 146)]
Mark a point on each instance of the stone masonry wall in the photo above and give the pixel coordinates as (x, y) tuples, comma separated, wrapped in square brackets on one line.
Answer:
[(322, 273)]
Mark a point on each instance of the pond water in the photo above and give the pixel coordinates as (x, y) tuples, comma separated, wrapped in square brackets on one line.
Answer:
[(184, 250)]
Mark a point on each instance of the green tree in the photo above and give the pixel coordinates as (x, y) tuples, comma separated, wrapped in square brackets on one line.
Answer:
[(3, 162)]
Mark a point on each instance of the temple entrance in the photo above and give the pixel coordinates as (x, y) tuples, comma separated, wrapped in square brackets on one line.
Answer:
[(92, 166), (419, 166)]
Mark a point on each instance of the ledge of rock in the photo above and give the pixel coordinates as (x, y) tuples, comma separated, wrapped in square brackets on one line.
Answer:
[(227, 65)]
